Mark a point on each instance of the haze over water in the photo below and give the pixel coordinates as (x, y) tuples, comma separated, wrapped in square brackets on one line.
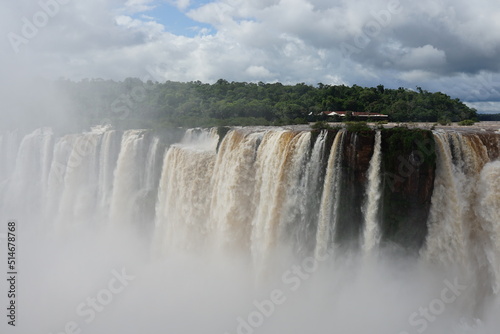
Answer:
[(123, 232)]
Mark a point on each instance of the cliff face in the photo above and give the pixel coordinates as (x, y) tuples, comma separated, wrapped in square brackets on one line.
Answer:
[(356, 155), (408, 170), (407, 175), (491, 143)]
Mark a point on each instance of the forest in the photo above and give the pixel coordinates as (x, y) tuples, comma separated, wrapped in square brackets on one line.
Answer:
[(489, 117), (134, 103)]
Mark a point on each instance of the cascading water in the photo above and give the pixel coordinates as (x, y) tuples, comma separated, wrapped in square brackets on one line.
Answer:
[(487, 208), (26, 186), (184, 192), (371, 233), (259, 188), (107, 164), (133, 176), (260, 193), (231, 212), (307, 200), (78, 198), (458, 234), (448, 235), (275, 169), (330, 199)]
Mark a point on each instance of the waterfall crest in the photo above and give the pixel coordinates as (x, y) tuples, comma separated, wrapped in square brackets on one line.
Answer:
[(371, 233), (330, 199), (248, 217), (256, 190)]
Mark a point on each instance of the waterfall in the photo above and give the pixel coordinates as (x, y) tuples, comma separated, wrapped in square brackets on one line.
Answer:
[(231, 212), (303, 231), (184, 193), (27, 183), (279, 165), (447, 238), (107, 164), (254, 191), (151, 170), (133, 178), (452, 218), (329, 201), (371, 233), (272, 176), (217, 209), (296, 189), (488, 210), (58, 167), (462, 230), (79, 195)]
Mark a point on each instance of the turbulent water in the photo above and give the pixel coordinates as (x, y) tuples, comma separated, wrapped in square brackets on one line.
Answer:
[(215, 224), (371, 235)]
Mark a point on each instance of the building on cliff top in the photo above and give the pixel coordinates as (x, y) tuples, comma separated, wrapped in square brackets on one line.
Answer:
[(355, 114)]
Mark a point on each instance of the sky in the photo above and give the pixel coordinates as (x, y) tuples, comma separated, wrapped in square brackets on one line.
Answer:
[(451, 46)]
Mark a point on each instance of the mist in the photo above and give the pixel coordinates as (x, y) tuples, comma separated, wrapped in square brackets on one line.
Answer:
[(118, 232), (120, 228), (220, 294), (28, 102)]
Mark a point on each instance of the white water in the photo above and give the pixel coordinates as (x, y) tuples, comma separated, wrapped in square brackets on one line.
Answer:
[(453, 219), (33, 159), (232, 211), (184, 194), (215, 217), (448, 234), (278, 164), (107, 165), (129, 178), (488, 210), (371, 234), (306, 207), (329, 202)]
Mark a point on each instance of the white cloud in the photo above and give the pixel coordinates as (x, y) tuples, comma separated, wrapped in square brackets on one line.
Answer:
[(491, 107), (439, 45), (258, 72), (217, 14), (417, 76), (137, 6), (181, 4), (149, 28), (423, 57)]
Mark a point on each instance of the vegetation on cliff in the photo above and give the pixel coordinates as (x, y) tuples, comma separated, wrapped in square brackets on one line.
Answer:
[(172, 104), (489, 117), (408, 166)]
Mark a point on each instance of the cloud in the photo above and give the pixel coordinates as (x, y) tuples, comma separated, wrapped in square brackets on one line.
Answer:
[(485, 107), (137, 6), (258, 72), (417, 76), (440, 45), (181, 4), (423, 57)]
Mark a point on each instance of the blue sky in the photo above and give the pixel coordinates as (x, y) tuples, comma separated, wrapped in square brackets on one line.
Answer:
[(451, 46), (174, 19)]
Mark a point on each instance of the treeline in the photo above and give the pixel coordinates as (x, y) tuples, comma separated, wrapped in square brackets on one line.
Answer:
[(489, 117), (151, 104)]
